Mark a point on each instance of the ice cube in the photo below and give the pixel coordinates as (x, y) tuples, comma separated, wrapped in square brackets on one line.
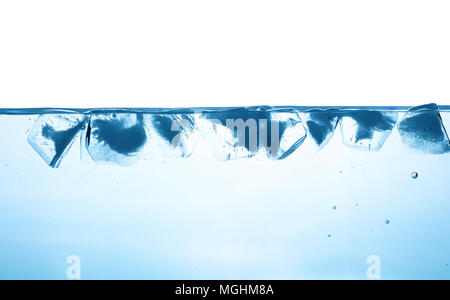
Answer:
[(422, 131), (116, 138), (243, 132), (175, 134), (53, 134), (231, 134), (366, 129), (287, 133), (321, 125)]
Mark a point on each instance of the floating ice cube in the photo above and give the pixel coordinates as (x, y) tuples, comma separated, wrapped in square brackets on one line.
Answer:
[(53, 135), (243, 132), (366, 129), (422, 131), (231, 134), (116, 138), (286, 135), (321, 125), (175, 134)]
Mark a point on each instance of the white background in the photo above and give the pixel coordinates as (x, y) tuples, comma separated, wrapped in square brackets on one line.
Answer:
[(223, 53)]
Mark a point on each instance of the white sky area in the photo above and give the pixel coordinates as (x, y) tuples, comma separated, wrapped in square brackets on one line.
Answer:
[(178, 53)]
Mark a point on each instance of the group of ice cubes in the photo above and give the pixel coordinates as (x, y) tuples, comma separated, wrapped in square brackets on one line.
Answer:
[(121, 138)]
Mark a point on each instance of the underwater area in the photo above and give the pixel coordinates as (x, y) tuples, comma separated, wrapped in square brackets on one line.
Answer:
[(226, 193)]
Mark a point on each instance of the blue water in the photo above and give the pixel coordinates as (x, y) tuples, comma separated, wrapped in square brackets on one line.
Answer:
[(225, 193)]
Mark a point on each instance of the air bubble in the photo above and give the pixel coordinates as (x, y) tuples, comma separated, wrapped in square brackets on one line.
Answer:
[(414, 175)]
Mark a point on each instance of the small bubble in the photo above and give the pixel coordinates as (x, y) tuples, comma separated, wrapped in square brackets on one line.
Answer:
[(414, 175), (334, 207), (329, 235), (387, 222)]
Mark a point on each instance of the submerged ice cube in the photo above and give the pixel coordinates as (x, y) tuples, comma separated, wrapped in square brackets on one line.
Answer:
[(367, 129), (243, 132), (231, 134), (286, 135), (321, 125), (422, 130), (53, 134), (116, 138), (175, 134)]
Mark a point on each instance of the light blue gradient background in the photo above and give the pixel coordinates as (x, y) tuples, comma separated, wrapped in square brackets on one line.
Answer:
[(199, 218)]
